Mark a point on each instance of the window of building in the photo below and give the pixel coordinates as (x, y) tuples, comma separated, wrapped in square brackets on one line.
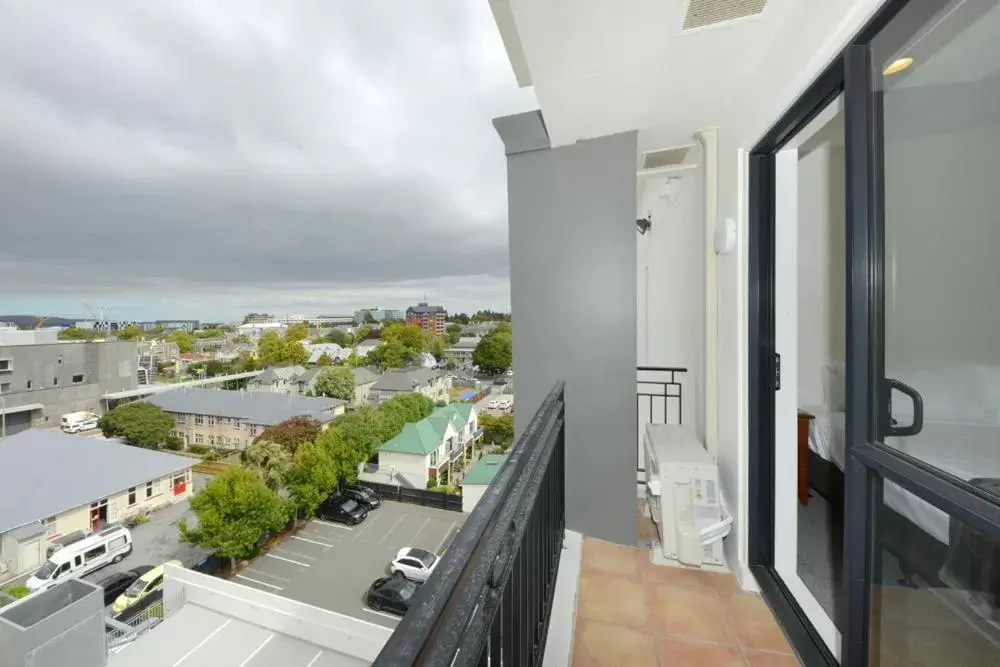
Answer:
[(180, 479), (211, 421), (211, 440), (6, 365), (252, 428), (434, 458), (199, 438), (131, 496), (149, 490), (77, 379), (199, 419), (4, 387), (55, 382), (28, 385)]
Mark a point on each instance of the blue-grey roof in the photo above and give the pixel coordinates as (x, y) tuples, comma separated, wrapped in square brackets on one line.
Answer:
[(58, 472), (406, 380), (255, 407), (27, 530)]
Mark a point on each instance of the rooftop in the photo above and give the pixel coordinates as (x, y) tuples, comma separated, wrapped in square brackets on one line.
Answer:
[(89, 469), (485, 470), (423, 309), (405, 380), (280, 373), (254, 407), (419, 438)]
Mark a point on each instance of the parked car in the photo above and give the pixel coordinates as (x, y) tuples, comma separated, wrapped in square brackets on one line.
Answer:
[(116, 584), (367, 498), (414, 564), (340, 509), (393, 594), (141, 587), (210, 564), (492, 405)]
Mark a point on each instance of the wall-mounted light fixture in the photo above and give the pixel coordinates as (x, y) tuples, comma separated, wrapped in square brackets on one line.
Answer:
[(643, 225)]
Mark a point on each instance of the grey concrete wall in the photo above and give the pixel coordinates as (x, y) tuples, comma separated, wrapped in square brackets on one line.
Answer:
[(106, 367), (573, 297)]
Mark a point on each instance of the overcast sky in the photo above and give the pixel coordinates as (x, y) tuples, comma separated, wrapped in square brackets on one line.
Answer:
[(204, 159)]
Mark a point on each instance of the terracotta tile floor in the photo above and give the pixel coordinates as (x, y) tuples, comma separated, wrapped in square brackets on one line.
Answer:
[(632, 612)]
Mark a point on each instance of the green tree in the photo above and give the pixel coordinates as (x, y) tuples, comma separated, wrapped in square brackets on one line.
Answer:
[(241, 339), (362, 333), (185, 341), (369, 318), (494, 353), (336, 336), (216, 367), (409, 336), (450, 364), (74, 333), (324, 360), (275, 350), (335, 382), (298, 331), (392, 355), (436, 345), (292, 432), (313, 477), (209, 333), (362, 429), (497, 429), (139, 424), (269, 461), (454, 331), (131, 332), (234, 510), (344, 454)]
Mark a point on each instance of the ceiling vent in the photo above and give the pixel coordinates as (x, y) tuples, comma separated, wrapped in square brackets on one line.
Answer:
[(666, 161), (704, 13)]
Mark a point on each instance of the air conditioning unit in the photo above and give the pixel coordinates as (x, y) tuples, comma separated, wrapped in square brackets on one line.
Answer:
[(682, 489)]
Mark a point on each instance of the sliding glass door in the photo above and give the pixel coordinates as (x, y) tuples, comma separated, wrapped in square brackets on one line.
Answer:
[(922, 481)]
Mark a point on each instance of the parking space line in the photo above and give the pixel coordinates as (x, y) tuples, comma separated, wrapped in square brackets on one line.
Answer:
[(369, 523), (394, 526), (315, 658), (306, 539), (262, 583), (445, 538), (204, 641), (268, 575), (288, 560), (380, 613), (286, 550), (256, 651), (332, 525)]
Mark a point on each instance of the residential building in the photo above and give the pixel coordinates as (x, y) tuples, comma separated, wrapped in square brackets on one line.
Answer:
[(43, 378), (332, 350), (65, 483), (254, 330), (150, 354), (363, 348), (233, 419), (478, 329), (461, 352), (178, 325), (378, 315), (478, 478), (364, 380), (424, 449), (431, 383), (277, 380), (428, 318)]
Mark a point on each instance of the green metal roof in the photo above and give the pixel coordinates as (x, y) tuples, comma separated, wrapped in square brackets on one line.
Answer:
[(419, 438), (483, 472)]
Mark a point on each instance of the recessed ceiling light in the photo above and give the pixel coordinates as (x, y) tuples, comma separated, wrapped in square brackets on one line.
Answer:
[(897, 65)]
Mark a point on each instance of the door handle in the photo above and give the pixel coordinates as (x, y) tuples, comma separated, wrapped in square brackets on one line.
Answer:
[(917, 425)]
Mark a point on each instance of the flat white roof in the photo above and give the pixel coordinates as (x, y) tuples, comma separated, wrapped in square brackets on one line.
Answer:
[(21, 408), (150, 389), (198, 637)]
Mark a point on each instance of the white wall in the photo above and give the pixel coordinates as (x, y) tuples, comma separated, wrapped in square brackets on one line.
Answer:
[(670, 288), (471, 495), (822, 312), (814, 33), (412, 466)]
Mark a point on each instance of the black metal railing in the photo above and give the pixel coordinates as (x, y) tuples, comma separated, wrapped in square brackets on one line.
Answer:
[(490, 598), (658, 388)]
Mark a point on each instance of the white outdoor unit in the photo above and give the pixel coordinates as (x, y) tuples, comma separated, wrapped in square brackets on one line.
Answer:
[(682, 489)]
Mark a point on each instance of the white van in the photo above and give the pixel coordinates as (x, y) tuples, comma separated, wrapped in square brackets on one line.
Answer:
[(74, 422), (83, 557)]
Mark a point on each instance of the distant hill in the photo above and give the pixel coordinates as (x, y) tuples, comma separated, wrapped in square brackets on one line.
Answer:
[(29, 321)]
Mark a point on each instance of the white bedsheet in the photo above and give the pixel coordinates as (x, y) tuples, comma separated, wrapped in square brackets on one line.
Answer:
[(962, 449)]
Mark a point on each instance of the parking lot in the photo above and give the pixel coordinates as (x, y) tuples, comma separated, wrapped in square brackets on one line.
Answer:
[(331, 566)]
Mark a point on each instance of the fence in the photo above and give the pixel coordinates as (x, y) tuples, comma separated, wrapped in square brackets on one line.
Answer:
[(211, 467), (135, 620), (490, 598), (658, 389), (425, 497)]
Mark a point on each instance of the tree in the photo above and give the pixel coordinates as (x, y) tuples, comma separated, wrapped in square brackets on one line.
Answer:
[(234, 510), (361, 333), (498, 430), (298, 331), (392, 355), (409, 336), (336, 336), (131, 332), (362, 429), (436, 345), (313, 477), (138, 424), (269, 461), (74, 333), (215, 367), (454, 331), (450, 364), (185, 341), (209, 333), (494, 353), (344, 454), (335, 382), (291, 433), (242, 339), (324, 360), (275, 350), (369, 318)]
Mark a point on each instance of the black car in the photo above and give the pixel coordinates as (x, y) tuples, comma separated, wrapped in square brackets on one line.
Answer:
[(116, 584), (341, 509), (363, 496), (393, 594)]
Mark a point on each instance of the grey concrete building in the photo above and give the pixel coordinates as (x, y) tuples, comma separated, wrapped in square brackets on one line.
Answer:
[(42, 378), (462, 351)]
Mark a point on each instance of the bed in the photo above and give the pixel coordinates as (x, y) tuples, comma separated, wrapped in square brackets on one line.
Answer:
[(961, 436)]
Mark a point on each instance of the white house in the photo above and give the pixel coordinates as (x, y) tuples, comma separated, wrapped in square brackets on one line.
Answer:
[(478, 478)]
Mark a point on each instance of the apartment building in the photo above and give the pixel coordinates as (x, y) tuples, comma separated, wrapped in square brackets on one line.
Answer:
[(428, 318), (461, 352), (66, 483), (278, 380), (377, 315), (42, 378), (233, 419), (431, 383)]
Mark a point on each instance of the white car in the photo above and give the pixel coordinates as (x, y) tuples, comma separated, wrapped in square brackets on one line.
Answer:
[(414, 564), (492, 405)]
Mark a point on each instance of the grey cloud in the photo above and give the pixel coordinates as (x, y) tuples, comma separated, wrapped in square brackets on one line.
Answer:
[(251, 145)]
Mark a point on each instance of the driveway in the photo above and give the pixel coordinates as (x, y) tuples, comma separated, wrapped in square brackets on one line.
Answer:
[(483, 405), (157, 541), (331, 566)]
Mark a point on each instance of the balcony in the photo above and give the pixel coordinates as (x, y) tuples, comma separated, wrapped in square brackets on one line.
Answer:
[(516, 588)]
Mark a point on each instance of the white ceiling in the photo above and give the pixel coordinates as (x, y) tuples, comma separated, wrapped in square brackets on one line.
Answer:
[(606, 66)]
